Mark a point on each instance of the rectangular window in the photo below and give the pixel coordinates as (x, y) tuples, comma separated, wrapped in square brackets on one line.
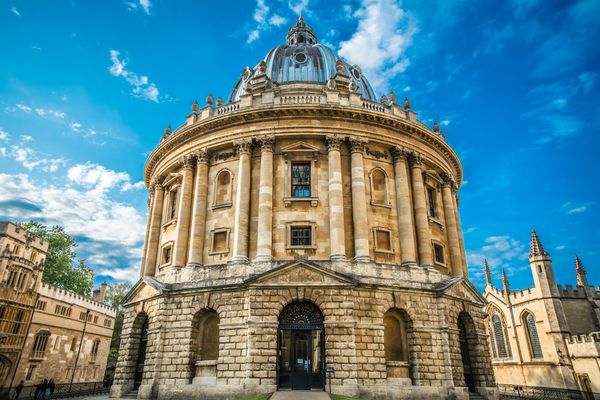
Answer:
[(95, 319), (432, 202), (173, 210), (301, 180), (30, 373), (438, 251), (40, 305), (167, 255), (301, 236), (219, 244), (383, 240), (82, 316)]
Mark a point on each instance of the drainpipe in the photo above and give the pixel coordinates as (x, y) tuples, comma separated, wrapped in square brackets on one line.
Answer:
[(87, 312), (37, 296)]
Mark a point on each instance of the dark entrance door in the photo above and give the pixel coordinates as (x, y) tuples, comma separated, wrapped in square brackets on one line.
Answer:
[(301, 347), (141, 359), (464, 353)]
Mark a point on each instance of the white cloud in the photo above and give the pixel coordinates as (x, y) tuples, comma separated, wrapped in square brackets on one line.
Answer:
[(26, 138), (384, 33), (14, 10), (298, 6), (3, 135), (99, 179), (445, 122), (75, 126), (560, 247), (263, 21), (137, 4), (41, 112), (31, 159), (142, 87), (277, 20), (502, 252), (253, 35), (24, 108), (576, 207)]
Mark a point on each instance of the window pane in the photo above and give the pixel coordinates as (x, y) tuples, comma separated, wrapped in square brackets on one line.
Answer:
[(301, 180), (432, 202), (301, 236), (534, 341)]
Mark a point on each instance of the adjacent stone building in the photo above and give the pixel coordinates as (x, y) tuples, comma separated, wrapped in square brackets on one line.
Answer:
[(304, 234), (545, 335), (47, 332)]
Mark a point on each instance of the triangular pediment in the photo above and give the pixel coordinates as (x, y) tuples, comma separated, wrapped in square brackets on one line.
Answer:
[(300, 147), (301, 273), (461, 288), (145, 288)]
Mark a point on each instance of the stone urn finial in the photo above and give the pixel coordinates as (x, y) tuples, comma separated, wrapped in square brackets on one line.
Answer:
[(210, 100), (195, 106), (392, 97), (219, 101), (436, 127), (384, 100), (406, 104)]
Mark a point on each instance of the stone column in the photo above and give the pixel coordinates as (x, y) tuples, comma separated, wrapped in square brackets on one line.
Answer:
[(198, 231), (406, 229), (359, 201), (420, 206), (155, 222), (336, 200), (184, 212), (265, 200), (242, 201), (451, 229), (150, 205), (461, 241)]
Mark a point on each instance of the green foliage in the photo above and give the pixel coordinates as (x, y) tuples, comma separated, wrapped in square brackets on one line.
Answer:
[(61, 269), (114, 296)]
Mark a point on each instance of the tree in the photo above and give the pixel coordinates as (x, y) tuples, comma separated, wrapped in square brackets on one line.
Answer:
[(114, 296), (61, 269)]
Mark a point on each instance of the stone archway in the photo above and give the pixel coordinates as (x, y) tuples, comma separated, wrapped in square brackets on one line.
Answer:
[(301, 347), (141, 352), (466, 351)]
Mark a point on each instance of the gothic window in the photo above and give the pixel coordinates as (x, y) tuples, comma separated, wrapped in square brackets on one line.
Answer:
[(395, 337), (301, 180), (95, 348), (438, 253), (500, 337), (535, 349), (223, 189), (39, 344), (17, 323), (379, 191), (490, 330), (432, 202)]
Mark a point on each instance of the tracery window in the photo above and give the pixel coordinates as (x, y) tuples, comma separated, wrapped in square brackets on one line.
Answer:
[(535, 348), (301, 180), (39, 344), (500, 337)]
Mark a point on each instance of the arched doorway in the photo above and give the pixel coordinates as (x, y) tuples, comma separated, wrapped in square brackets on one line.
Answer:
[(301, 347), (465, 353), (141, 355)]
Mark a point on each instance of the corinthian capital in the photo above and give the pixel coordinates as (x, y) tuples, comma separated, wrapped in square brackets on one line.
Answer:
[(357, 145), (414, 159), (267, 142), (202, 156), (334, 142), (243, 146), (398, 153), (156, 184), (187, 161), (447, 180)]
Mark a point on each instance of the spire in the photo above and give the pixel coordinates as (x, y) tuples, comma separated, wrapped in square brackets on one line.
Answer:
[(580, 272), (536, 245), (505, 285), (486, 271)]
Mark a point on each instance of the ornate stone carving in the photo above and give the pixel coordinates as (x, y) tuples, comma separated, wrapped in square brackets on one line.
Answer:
[(357, 145), (378, 154), (168, 132), (392, 97), (352, 87), (262, 67), (398, 153), (195, 106), (220, 101), (331, 84), (156, 183), (187, 161), (210, 100), (339, 67), (202, 156), (406, 104), (243, 146), (267, 142), (447, 180), (436, 127), (414, 159), (333, 142), (384, 100)]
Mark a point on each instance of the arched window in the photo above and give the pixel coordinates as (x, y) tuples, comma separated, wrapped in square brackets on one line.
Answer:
[(395, 338), (223, 188), (535, 349), (205, 344), (499, 336), (39, 344), (95, 348), (490, 330), (379, 192)]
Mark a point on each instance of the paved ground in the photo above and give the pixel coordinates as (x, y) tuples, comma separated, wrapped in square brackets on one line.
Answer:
[(299, 395)]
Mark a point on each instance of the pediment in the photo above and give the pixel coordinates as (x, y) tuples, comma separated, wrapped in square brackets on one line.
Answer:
[(301, 273), (463, 289), (145, 288), (300, 147)]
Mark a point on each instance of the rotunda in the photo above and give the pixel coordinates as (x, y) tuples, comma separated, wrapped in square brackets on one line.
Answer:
[(304, 235)]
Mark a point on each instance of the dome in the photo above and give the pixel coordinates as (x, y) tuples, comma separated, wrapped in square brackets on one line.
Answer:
[(302, 59)]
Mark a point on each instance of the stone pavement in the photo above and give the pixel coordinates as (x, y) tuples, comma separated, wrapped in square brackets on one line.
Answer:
[(299, 395)]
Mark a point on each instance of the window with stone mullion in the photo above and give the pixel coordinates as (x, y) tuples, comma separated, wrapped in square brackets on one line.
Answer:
[(301, 180)]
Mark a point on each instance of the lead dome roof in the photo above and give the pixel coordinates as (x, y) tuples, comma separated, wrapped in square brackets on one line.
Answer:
[(302, 59)]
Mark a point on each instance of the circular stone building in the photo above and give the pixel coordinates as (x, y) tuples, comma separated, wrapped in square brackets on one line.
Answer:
[(303, 235)]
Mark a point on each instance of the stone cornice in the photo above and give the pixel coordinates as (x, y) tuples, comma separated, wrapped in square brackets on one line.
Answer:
[(269, 113)]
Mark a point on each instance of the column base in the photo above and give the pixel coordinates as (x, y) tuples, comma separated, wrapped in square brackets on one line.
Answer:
[(238, 260), (263, 259), (362, 259), (409, 264), (338, 257), (194, 265)]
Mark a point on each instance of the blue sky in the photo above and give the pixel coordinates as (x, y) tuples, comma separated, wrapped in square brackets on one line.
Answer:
[(86, 89)]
